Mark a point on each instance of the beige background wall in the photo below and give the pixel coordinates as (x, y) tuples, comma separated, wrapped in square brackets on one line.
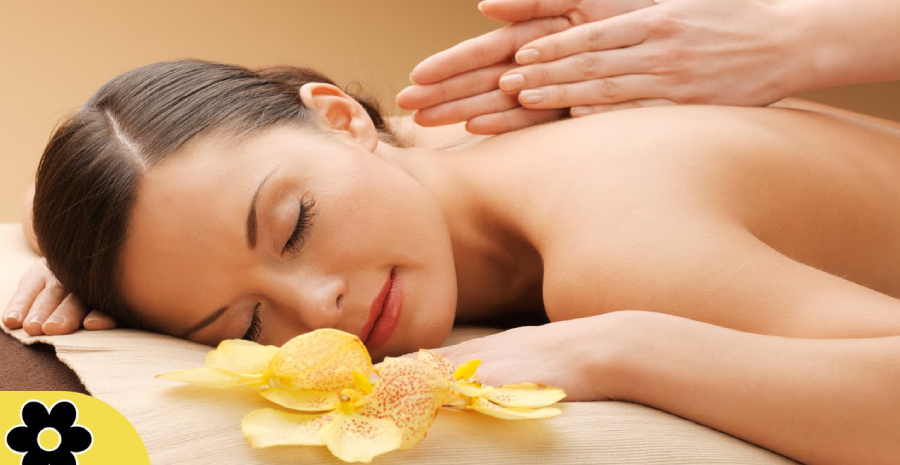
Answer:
[(55, 53)]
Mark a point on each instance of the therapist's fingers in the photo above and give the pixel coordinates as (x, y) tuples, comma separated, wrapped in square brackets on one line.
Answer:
[(485, 50), (465, 109), (461, 86), (577, 112), (601, 91), (615, 32), (97, 320), (513, 11), (512, 120), (581, 67)]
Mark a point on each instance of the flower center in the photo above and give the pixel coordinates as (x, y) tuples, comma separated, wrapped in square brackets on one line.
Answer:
[(49, 439)]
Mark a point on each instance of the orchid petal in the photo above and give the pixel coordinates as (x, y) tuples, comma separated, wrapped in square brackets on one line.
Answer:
[(470, 389), (240, 356), (214, 377), (358, 438), (362, 383), (409, 393), (304, 400), (481, 405), (525, 395), (323, 360), (270, 427), (438, 362), (466, 370)]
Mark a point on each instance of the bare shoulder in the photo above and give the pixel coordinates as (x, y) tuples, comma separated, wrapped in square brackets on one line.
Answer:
[(449, 137), (679, 210)]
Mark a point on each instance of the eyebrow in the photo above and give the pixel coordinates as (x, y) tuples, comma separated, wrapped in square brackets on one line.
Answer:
[(251, 217), (251, 241)]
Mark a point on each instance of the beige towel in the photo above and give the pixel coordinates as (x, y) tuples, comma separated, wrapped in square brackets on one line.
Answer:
[(190, 425)]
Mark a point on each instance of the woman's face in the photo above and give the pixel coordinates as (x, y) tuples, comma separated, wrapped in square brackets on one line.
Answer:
[(306, 229)]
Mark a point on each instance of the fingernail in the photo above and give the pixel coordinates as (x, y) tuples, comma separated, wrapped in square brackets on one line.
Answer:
[(512, 82), (34, 320), (15, 316), (527, 56), (55, 319), (580, 111), (531, 96), (481, 5)]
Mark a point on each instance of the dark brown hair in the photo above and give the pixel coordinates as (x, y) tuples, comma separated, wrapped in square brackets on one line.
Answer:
[(89, 173)]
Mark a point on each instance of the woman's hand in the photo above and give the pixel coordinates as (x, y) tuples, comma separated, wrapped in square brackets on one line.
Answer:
[(46, 308), (580, 356), (602, 55)]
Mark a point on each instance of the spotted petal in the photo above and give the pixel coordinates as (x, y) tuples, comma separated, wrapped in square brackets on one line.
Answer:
[(358, 438), (214, 377), (438, 362), (525, 395), (481, 405), (270, 427), (304, 400), (409, 393), (240, 356), (470, 389), (324, 360)]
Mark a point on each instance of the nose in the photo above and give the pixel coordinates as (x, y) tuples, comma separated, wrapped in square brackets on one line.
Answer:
[(318, 301)]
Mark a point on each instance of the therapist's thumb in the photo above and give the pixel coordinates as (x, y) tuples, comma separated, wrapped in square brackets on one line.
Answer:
[(512, 11)]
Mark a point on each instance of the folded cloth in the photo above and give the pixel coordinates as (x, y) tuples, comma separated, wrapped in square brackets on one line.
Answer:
[(188, 424)]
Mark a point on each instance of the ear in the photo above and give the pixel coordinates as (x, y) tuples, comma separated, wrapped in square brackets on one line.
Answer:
[(340, 112)]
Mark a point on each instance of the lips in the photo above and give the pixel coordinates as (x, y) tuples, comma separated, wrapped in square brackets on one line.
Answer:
[(384, 313)]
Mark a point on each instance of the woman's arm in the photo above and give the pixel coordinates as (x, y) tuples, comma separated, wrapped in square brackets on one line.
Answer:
[(40, 304), (817, 401)]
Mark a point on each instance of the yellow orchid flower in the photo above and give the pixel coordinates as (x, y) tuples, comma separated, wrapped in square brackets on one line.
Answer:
[(368, 420), (318, 361), (326, 377), (509, 402), (235, 362)]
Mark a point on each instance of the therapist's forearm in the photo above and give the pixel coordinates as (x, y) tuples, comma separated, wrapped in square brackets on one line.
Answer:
[(819, 401), (846, 42)]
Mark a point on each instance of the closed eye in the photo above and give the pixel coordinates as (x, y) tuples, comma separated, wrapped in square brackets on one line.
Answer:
[(301, 229), (252, 333)]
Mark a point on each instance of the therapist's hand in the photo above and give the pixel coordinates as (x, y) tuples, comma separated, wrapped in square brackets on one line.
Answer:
[(461, 83), (738, 52)]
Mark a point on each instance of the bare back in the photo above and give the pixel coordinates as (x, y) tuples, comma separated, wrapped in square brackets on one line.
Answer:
[(736, 216)]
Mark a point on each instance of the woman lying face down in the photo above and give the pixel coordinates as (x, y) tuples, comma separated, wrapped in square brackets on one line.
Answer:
[(757, 246), (255, 209)]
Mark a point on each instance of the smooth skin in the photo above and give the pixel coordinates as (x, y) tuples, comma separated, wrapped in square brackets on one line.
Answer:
[(580, 57), (758, 245)]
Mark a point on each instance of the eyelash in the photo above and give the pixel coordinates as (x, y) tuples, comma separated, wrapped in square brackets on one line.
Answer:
[(301, 230), (252, 333)]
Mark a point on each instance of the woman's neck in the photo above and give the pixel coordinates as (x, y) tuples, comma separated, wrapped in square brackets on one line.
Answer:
[(498, 268)]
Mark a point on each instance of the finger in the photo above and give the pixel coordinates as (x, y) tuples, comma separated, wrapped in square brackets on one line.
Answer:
[(494, 47), (601, 91), (465, 109), (512, 120), (513, 11), (66, 318), (580, 67), (44, 304), (577, 112), (97, 320), (615, 32), (31, 284), (460, 86)]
